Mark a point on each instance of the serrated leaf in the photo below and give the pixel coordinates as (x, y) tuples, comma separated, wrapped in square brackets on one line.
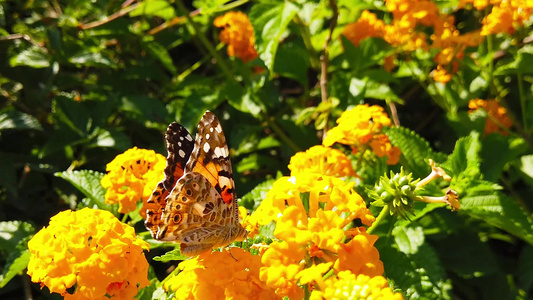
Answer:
[(15, 267), (500, 211), (415, 150), (270, 20), (88, 182), (465, 156), (14, 119), (12, 232), (497, 150), (419, 276), (33, 57), (171, 256)]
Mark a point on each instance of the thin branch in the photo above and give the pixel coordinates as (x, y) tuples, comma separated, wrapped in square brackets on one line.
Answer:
[(324, 60), (124, 11)]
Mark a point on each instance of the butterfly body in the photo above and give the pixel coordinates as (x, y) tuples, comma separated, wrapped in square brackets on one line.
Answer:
[(196, 204)]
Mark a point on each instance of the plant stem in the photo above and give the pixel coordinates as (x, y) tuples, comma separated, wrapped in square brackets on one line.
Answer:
[(382, 215), (523, 102), (220, 62)]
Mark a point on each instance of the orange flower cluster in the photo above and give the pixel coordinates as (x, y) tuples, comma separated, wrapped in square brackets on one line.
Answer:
[(322, 160), (131, 177), (497, 119), (404, 33), (347, 285), (311, 211), (92, 251), (220, 275), (505, 16), (361, 127), (238, 34)]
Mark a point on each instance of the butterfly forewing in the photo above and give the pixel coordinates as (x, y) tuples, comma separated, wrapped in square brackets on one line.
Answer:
[(179, 145)]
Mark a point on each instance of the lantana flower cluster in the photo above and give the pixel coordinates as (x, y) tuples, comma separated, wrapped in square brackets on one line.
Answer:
[(88, 254), (409, 18), (361, 127), (497, 119), (238, 34), (131, 177)]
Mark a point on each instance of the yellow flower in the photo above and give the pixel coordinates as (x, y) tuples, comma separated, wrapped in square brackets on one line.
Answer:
[(321, 160), (368, 25), (497, 119), (220, 275), (500, 20), (359, 255), (131, 177), (347, 285), (238, 34), (92, 250)]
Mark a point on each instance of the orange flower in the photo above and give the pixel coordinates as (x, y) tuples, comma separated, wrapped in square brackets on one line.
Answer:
[(238, 34), (381, 146), (321, 160), (131, 177), (92, 251), (497, 119), (500, 20), (368, 25), (220, 275), (441, 75)]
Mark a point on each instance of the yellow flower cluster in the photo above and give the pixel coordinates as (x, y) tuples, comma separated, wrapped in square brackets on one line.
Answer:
[(131, 177), (497, 119), (92, 251), (311, 212), (505, 15), (220, 275), (361, 127), (347, 285), (322, 160), (238, 34)]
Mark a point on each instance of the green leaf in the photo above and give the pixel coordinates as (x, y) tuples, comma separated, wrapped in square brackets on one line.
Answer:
[(408, 238), (253, 198), (14, 267), (270, 21), (292, 61), (367, 54), (88, 182), (14, 119), (456, 252), (159, 8), (112, 138), (33, 57), (525, 165), (497, 150), (91, 59), (520, 64), (524, 270), (208, 7), (171, 256), (415, 150), (144, 108), (12, 232), (160, 53), (240, 99), (419, 276), (499, 211), (465, 155), (71, 113)]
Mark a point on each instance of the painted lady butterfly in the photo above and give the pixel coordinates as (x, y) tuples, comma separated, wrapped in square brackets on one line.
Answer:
[(196, 204)]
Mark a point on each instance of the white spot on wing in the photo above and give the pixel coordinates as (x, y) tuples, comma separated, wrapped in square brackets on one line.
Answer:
[(207, 136), (221, 152), (219, 128), (181, 153), (211, 129), (179, 144), (189, 138), (207, 147)]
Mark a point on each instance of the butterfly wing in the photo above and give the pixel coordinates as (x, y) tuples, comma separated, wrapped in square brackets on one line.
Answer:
[(179, 145), (201, 210)]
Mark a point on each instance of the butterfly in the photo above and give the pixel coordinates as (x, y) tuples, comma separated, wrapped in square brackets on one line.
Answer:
[(196, 204)]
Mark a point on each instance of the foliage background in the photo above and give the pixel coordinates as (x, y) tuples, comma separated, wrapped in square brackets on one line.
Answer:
[(79, 87)]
